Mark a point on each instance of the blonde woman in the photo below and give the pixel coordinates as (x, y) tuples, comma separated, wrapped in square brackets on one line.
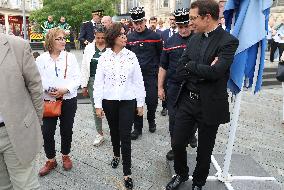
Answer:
[(91, 55), (60, 78)]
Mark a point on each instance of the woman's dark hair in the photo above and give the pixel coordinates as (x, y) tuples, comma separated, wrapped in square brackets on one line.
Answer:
[(113, 33), (207, 7)]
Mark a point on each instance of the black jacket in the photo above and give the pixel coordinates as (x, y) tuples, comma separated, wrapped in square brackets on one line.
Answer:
[(172, 51), (212, 80), (147, 46), (87, 32)]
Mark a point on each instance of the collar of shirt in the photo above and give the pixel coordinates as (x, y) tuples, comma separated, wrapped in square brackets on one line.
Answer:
[(110, 52), (174, 30), (60, 57), (212, 32), (93, 22)]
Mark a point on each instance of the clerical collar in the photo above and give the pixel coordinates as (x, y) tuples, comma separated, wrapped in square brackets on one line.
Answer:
[(212, 32)]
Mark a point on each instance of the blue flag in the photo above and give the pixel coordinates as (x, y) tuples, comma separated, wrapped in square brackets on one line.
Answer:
[(248, 21)]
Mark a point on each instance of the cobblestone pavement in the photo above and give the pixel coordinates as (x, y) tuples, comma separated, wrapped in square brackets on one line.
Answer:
[(260, 135)]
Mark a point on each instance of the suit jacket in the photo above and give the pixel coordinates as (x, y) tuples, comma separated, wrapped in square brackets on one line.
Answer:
[(159, 32), (165, 35), (21, 102), (87, 32), (212, 80)]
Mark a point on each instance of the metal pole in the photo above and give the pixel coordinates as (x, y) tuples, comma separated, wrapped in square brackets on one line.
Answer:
[(232, 135), (24, 19), (256, 67)]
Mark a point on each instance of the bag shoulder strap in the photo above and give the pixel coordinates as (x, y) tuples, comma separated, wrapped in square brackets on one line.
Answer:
[(65, 73)]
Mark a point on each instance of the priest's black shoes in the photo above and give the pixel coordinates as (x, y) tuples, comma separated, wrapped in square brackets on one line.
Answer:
[(175, 182)]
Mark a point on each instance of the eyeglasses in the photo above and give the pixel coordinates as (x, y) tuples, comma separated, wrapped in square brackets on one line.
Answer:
[(193, 18), (61, 39)]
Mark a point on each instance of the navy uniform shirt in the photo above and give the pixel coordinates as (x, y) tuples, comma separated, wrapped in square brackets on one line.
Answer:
[(87, 32), (147, 46), (173, 49)]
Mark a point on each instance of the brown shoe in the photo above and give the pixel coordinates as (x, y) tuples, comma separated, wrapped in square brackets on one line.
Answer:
[(47, 168), (67, 163)]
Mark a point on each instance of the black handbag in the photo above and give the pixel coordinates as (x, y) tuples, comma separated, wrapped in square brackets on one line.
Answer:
[(280, 72)]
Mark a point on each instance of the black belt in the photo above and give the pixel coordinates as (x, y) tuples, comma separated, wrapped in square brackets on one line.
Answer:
[(2, 124)]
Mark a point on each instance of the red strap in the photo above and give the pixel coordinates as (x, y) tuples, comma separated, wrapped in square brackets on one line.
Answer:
[(144, 41), (176, 47)]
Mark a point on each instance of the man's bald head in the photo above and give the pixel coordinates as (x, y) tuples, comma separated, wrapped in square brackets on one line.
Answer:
[(107, 21)]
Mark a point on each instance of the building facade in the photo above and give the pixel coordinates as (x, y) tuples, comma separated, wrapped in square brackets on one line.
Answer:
[(11, 11)]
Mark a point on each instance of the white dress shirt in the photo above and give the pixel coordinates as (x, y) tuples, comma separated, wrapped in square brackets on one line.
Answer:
[(173, 31), (48, 69), (118, 77)]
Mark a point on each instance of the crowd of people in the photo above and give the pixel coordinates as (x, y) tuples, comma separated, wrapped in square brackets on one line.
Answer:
[(186, 66)]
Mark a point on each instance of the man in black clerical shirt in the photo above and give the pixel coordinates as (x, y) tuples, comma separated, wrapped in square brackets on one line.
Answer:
[(203, 99)]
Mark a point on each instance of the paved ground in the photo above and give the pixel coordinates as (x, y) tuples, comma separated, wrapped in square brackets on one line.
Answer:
[(260, 135)]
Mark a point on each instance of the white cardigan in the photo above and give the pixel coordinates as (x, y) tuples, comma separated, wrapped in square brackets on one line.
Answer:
[(89, 52)]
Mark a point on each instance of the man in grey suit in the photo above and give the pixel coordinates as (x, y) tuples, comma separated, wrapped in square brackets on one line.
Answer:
[(21, 110)]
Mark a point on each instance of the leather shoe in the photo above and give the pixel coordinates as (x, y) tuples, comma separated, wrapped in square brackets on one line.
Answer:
[(193, 142), (152, 127), (175, 182), (115, 162), (46, 169), (128, 183), (194, 187), (135, 134), (67, 163), (170, 155)]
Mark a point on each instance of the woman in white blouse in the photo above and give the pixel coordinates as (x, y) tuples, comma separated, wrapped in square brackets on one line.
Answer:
[(91, 55), (118, 88), (60, 75)]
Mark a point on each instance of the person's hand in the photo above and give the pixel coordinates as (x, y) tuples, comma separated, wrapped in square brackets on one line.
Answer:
[(85, 91), (161, 94), (58, 93), (140, 111), (86, 42), (100, 113), (215, 61), (62, 91)]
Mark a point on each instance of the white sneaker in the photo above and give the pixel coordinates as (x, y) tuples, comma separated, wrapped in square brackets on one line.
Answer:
[(99, 140)]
